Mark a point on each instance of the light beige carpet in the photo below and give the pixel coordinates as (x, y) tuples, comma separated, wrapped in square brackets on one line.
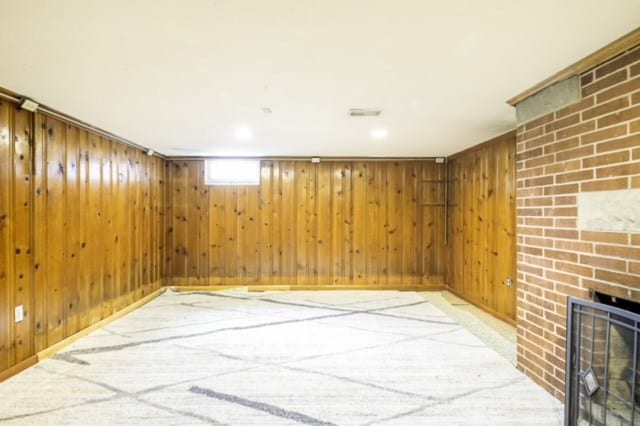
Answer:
[(316, 358)]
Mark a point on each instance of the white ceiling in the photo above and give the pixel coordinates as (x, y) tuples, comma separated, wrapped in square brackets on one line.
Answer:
[(181, 76)]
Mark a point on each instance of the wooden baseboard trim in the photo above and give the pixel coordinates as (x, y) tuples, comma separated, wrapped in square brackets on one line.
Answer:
[(488, 310), (263, 288), (51, 350), (184, 288), (21, 366)]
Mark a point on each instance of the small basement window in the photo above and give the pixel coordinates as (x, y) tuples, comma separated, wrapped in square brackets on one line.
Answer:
[(222, 171)]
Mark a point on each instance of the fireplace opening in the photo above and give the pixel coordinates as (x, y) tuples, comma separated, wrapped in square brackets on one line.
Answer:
[(607, 299), (603, 382)]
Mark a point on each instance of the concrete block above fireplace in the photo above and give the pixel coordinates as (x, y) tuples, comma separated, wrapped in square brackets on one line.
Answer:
[(609, 211)]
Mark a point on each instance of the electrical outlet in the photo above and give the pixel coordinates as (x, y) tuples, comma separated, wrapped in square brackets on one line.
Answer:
[(19, 314), (509, 282)]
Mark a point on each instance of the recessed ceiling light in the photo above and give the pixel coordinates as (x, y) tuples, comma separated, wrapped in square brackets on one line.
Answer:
[(379, 133), (364, 112), (243, 133)]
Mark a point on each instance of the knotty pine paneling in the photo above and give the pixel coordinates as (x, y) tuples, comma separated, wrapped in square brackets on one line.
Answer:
[(99, 210), (16, 249), (336, 223), (82, 229), (481, 215)]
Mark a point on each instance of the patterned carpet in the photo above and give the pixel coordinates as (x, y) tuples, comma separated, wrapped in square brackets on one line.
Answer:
[(314, 358)]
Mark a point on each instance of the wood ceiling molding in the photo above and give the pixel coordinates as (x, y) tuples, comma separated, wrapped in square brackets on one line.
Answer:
[(610, 51)]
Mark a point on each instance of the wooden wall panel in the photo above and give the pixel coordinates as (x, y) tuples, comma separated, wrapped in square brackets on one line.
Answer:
[(82, 229), (203, 231), (394, 224), (410, 224), (333, 224), (54, 214), (230, 237), (265, 223), (39, 309), (111, 185), (251, 229), (287, 211), (372, 220), (84, 274), (325, 257), (71, 293), (121, 216), (216, 271), (6, 236), (94, 210), (359, 223), (93, 254), (481, 225), (22, 236), (342, 224)]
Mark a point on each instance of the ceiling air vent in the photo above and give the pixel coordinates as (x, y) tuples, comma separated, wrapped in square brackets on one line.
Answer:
[(364, 112)]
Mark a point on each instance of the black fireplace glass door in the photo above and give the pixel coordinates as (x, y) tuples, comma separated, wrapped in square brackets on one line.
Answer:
[(603, 382)]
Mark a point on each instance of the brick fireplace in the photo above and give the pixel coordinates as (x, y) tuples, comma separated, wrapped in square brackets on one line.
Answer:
[(578, 210)]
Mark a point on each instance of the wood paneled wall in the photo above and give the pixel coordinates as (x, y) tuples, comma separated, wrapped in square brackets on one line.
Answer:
[(351, 224), (88, 226), (82, 229), (16, 271), (481, 215)]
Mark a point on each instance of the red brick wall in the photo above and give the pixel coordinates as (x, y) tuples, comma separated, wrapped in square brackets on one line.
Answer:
[(592, 145)]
